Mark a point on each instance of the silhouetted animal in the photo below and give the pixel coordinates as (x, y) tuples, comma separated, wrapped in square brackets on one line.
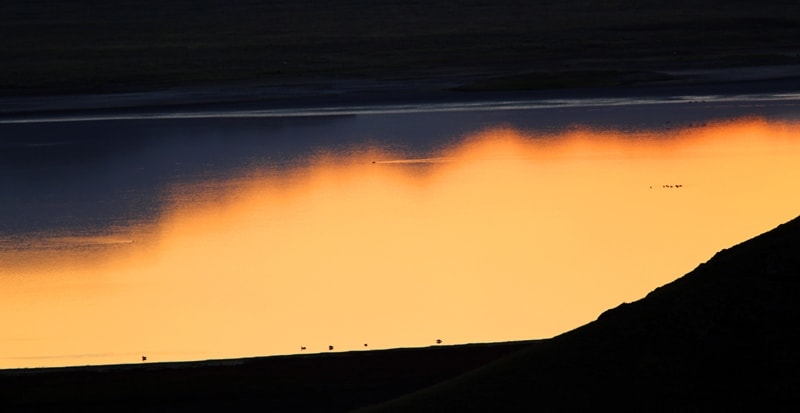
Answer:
[(330, 348), (144, 358)]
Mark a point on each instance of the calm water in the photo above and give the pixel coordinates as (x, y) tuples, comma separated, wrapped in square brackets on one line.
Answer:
[(192, 238)]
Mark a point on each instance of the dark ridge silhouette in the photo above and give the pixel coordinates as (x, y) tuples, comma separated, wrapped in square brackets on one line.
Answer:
[(724, 337)]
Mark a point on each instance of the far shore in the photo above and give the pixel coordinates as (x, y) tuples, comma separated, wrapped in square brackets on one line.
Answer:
[(323, 93)]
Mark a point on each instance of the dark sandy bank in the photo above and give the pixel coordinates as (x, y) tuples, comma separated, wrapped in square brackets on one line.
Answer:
[(325, 382)]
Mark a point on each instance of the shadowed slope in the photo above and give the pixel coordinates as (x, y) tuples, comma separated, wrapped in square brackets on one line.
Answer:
[(722, 337), (326, 382)]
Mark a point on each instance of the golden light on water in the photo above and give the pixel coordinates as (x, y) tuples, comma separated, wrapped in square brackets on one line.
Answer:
[(507, 236)]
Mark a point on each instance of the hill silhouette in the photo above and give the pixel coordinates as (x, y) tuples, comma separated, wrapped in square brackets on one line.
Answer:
[(723, 337)]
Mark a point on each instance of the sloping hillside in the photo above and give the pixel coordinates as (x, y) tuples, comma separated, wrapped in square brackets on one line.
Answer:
[(723, 337)]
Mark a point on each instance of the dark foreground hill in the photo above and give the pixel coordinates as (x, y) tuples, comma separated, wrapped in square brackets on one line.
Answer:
[(725, 337)]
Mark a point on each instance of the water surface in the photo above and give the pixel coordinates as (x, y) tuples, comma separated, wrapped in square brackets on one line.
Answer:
[(217, 237)]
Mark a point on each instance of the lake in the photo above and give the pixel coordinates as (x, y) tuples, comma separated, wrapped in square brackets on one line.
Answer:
[(185, 236)]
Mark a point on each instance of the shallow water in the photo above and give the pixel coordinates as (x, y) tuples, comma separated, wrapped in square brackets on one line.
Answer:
[(192, 238)]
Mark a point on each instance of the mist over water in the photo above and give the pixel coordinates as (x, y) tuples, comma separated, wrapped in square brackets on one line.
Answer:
[(226, 237)]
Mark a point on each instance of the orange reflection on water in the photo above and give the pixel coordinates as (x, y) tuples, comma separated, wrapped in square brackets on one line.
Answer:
[(508, 236)]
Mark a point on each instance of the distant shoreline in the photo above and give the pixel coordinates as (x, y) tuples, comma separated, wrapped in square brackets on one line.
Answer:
[(323, 93)]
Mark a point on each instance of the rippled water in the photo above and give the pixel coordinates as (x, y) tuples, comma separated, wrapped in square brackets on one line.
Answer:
[(213, 237)]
